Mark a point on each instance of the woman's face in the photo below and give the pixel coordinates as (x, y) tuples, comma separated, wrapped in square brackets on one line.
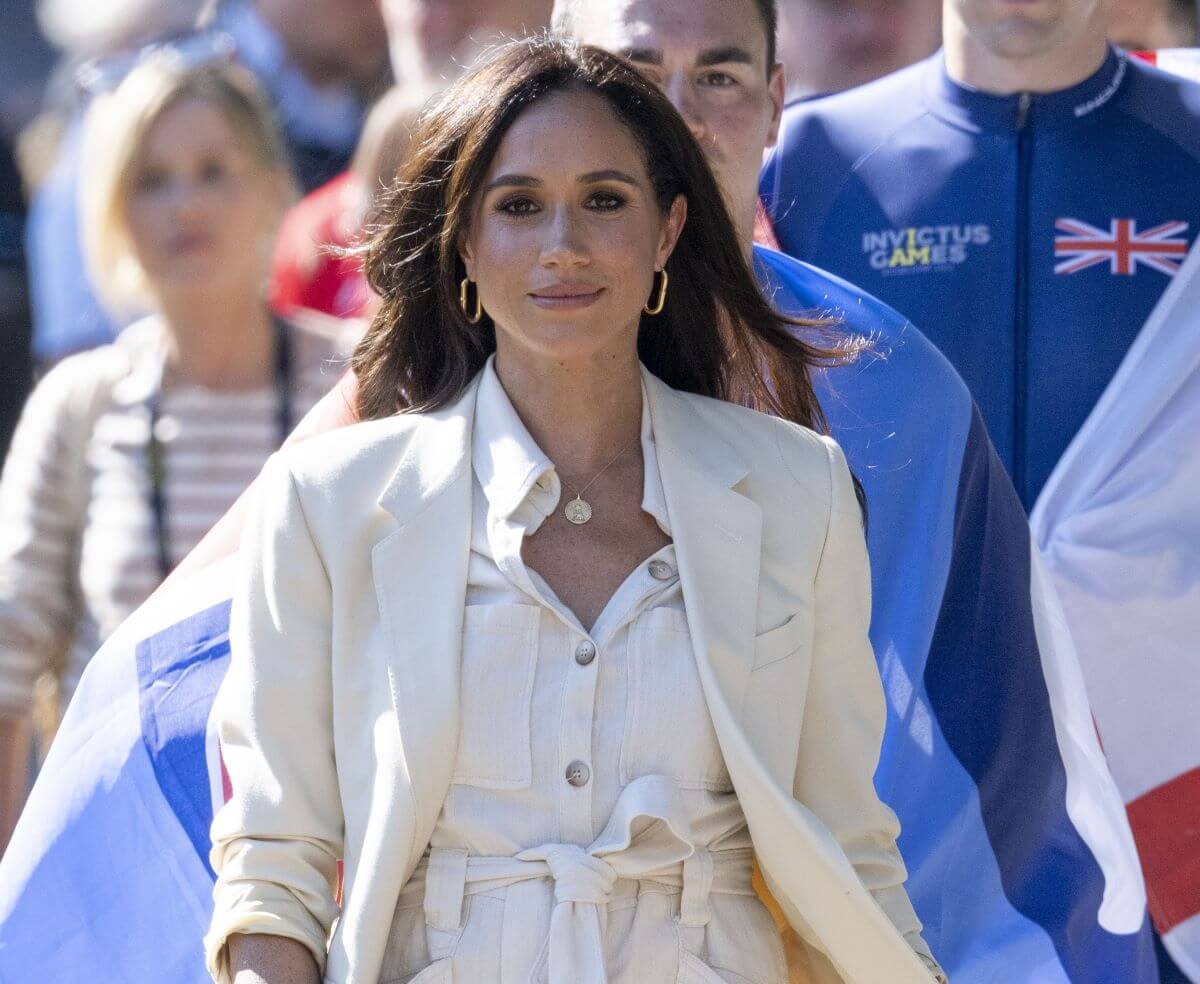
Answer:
[(566, 234), (202, 208)]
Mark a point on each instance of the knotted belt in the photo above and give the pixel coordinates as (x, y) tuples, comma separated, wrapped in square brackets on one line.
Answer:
[(648, 837)]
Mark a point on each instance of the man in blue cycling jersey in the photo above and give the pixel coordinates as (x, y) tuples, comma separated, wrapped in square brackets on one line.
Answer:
[(1025, 196)]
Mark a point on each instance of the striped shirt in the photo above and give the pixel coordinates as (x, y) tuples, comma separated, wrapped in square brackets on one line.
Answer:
[(78, 544)]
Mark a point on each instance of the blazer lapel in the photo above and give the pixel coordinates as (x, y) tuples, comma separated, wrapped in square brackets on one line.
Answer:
[(420, 574), (717, 533)]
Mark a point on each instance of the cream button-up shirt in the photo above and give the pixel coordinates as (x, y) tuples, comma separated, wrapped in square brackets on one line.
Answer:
[(591, 832)]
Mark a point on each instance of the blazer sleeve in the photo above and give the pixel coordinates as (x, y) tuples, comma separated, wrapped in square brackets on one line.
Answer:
[(844, 714), (276, 843)]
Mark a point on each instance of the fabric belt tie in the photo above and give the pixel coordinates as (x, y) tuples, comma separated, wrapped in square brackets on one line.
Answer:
[(647, 837)]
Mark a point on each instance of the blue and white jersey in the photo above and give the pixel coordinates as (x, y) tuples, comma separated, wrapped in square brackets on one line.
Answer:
[(1029, 236)]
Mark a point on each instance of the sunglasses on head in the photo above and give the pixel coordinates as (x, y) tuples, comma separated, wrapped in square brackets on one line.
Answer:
[(185, 50)]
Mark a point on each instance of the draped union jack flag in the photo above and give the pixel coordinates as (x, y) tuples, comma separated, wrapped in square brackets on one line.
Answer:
[(1122, 247)]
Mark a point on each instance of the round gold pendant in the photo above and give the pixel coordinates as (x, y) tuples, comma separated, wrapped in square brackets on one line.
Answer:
[(577, 511)]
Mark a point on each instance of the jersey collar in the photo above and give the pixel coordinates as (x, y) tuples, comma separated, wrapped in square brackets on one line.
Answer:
[(977, 111)]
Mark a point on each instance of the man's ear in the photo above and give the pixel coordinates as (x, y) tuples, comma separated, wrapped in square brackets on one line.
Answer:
[(777, 93), (673, 225)]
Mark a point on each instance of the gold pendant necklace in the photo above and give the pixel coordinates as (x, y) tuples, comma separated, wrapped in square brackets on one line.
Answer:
[(578, 511)]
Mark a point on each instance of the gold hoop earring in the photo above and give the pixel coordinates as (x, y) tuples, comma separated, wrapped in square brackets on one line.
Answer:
[(660, 301), (463, 290)]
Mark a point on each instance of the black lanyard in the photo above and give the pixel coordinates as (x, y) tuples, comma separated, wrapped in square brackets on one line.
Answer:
[(156, 463)]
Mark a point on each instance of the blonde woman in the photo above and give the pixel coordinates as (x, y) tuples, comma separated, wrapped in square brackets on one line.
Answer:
[(125, 455)]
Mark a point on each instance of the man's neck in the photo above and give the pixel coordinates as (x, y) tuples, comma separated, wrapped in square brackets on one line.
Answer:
[(1057, 67)]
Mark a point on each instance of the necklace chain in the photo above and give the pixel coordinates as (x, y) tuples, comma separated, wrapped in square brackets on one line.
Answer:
[(620, 453)]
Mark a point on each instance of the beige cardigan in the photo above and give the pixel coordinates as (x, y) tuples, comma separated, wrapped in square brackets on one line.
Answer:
[(339, 715)]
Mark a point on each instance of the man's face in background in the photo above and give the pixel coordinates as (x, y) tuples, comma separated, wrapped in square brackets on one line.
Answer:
[(831, 45), (333, 40), (1016, 30), (710, 58), (432, 41)]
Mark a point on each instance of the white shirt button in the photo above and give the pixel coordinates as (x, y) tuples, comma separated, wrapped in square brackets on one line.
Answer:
[(660, 570), (585, 652), (578, 773)]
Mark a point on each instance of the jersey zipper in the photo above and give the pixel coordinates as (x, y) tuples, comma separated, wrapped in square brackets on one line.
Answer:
[(1021, 313)]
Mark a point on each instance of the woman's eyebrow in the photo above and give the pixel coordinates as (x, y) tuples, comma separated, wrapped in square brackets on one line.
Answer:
[(513, 181), (610, 174)]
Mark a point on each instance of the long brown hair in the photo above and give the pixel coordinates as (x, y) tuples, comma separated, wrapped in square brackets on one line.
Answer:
[(717, 337)]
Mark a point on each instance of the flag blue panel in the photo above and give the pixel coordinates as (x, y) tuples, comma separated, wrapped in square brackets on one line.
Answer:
[(179, 670), (101, 881), (987, 689)]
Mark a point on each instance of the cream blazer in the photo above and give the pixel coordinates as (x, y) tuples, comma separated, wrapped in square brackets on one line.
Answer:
[(338, 718)]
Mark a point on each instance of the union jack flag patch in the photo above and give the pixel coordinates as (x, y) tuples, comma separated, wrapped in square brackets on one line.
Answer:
[(1122, 247)]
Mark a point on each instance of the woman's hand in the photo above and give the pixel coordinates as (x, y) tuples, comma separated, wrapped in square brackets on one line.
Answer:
[(262, 959)]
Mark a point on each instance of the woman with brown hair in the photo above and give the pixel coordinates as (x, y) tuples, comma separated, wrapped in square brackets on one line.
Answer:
[(561, 638)]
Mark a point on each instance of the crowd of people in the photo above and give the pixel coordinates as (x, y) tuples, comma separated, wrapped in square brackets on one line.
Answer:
[(181, 273)]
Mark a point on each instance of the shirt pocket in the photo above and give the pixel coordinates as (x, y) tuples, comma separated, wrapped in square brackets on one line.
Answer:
[(499, 658), (668, 730)]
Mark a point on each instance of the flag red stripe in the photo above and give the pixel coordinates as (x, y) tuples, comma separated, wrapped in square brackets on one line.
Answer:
[(1091, 246), (1166, 826)]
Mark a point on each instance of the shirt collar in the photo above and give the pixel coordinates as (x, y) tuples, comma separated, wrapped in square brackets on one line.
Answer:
[(512, 470), (977, 111), (518, 480)]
